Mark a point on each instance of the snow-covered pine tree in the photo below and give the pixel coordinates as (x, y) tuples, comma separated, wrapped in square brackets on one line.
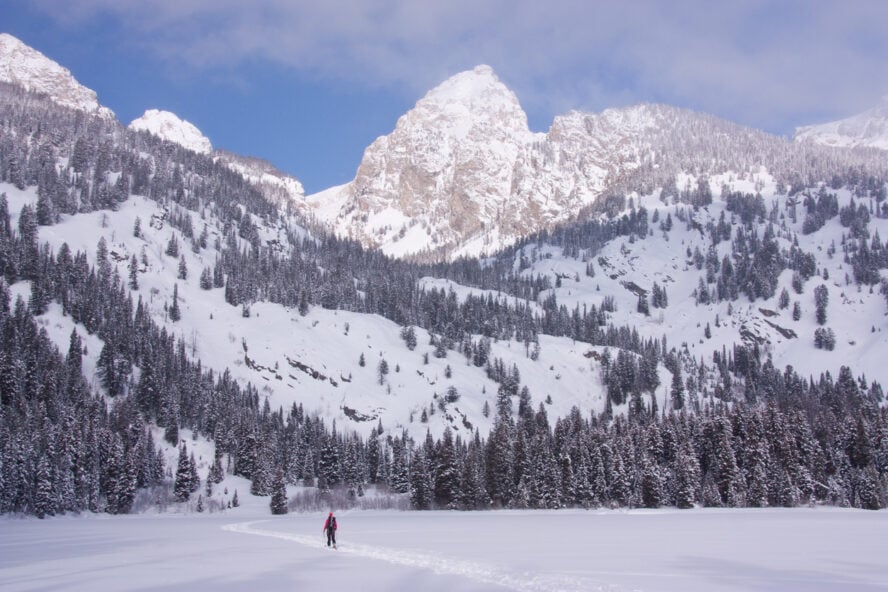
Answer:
[(174, 311), (134, 273), (183, 484), (278, 503), (446, 473)]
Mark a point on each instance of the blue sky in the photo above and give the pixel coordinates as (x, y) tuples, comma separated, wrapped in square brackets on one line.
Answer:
[(308, 85)]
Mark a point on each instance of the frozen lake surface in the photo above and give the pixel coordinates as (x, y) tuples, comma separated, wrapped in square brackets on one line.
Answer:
[(807, 550)]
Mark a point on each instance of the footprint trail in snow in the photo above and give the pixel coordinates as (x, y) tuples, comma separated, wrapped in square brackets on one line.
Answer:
[(480, 572)]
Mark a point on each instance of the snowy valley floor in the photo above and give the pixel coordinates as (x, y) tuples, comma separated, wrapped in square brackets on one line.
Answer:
[(807, 550)]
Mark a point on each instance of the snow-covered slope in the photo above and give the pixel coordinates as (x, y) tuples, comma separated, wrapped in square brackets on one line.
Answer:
[(624, 267), (314, 359), (868, 129), (171, 128), (311, 360), (277, 186), (27, 67)]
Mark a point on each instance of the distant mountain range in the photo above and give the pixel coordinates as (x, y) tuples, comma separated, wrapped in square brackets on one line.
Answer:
[(463, 175)]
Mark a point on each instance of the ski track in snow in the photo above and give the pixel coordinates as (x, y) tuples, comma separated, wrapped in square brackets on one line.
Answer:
[(480, 572)]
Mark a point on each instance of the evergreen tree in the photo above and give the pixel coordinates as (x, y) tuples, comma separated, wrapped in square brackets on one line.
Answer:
[(217, 473), (44, 498), (134, 273), (821, 299), (446, 490), (183, 485), (382, 371), (328, 464), (652, 494), (408, 334), (687, 477), (112, 369), (278, 503), (676, 391), (193, 478), (206, 279), (642, 305), (174, 311), (218, 275), (172, 248), (421, 488)]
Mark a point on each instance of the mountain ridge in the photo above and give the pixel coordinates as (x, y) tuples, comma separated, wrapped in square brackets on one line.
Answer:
[(868, 129), (463, 177), (25, 66)]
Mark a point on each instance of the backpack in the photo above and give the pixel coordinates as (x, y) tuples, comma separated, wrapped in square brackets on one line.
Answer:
[(331, 523)]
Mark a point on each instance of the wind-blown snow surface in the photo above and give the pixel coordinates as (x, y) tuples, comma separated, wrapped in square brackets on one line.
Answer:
[(806, 550)]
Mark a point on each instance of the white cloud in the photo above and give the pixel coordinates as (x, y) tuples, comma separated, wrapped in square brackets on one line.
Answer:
[(760, 62)]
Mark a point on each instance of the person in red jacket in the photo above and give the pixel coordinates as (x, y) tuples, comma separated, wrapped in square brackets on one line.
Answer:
[(330, 529)]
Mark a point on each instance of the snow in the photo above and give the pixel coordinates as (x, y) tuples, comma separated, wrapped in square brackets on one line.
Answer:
[(278, 187), (168, 126), (27, 67), (327, 203), (703, 550), (855, 314), (867, 129), (443, 174), (470, 178), (467, 96), (265, 348)]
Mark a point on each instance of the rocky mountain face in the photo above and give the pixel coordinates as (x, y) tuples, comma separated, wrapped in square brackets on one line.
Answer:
[(463, 175), (445, 174), (26, 67), (868, 130), (171, 128)]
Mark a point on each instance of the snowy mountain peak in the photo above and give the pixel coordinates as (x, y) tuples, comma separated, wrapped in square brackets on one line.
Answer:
[(472, 100), (479, 88), (26, 67), (868, 129), (168, 126), (441, 176)]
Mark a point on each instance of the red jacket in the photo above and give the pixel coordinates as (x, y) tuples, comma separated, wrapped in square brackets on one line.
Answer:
[(327, 523)]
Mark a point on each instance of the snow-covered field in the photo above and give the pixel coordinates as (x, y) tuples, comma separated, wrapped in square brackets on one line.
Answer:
[(572, 551)]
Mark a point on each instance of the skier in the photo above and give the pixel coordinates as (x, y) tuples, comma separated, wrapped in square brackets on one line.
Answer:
[(330, 529)]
